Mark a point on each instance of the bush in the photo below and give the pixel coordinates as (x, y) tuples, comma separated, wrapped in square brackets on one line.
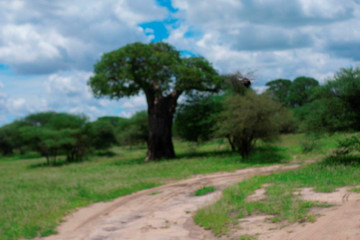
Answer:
[(247, 119), (308, 145), (102, 134), (347, 146), (286, 120)]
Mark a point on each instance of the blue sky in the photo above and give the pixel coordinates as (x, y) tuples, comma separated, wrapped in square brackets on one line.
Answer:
[(48, 48)]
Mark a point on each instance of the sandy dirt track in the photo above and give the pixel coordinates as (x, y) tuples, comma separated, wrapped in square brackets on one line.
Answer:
[(161, 213)]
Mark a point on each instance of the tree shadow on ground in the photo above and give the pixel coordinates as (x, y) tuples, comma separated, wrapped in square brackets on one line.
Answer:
[(204, 154), (105, 153), (267, 155), (352, 160), (132, 161), (59, 163), (261, 155), (179, 157)]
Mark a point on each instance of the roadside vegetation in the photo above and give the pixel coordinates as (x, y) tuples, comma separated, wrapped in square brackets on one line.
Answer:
[(338, 169)]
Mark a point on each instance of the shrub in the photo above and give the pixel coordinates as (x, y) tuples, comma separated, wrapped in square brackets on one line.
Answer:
[(347, 146), (247, 119)]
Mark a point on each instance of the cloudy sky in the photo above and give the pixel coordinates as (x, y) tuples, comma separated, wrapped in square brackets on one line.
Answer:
[(48, 47)]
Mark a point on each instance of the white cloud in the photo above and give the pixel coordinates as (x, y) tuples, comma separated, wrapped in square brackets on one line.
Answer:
[(3, 100), (260, 89), (47, 36), (62, 39), (136, 11), (275, 39), (137, 102), (68, 91)]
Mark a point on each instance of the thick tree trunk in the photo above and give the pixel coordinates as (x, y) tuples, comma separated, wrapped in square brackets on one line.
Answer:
[(160, 116), (160, 140)]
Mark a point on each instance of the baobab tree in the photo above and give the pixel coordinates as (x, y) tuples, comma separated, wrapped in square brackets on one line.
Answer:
[(158, 71)]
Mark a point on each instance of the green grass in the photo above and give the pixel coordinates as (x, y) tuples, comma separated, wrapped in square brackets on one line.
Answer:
[(280, 202), (204, 191), (34, 197), (248, 237)]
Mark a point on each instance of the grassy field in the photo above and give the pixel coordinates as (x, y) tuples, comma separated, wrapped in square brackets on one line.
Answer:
[(34, 197), (280, 201)]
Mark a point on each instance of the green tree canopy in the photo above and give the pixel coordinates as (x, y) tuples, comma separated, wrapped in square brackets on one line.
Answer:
[(157, 70), (197, 116), (11, 138), (56, 120), (135, 131), (300, 91), (52, 134), (101, 133), (336, 105), (279, 89)]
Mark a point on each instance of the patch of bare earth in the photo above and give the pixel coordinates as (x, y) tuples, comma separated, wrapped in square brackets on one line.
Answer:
[(340, 222), (160, 213)]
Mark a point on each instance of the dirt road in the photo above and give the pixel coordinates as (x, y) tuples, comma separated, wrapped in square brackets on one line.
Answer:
[(340, 222), (159, 213)]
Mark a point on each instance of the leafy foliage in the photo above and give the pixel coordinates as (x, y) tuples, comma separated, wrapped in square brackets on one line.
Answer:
[(11, 138), (135, 130), (157, 70), (102, 134), (336, 106), (204, 190), (154, 67), (196, 118), (286, 120), (279, 89), (300, 91), (53, 134), (237, 83), (248, 118), (347, 146)]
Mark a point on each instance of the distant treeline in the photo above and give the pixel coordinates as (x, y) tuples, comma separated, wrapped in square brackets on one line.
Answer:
[(53, 134), (236, 113), (333, 106)]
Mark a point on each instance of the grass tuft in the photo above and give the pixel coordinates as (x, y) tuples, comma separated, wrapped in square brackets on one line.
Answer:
[(280, 202), (204, 191)]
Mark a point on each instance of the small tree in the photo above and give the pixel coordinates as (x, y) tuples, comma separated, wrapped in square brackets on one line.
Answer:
[(53, 134), (101, 134), (345, 87), (10, 138), (158, 71), (300, 91), (248, 118), (279, 89)]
